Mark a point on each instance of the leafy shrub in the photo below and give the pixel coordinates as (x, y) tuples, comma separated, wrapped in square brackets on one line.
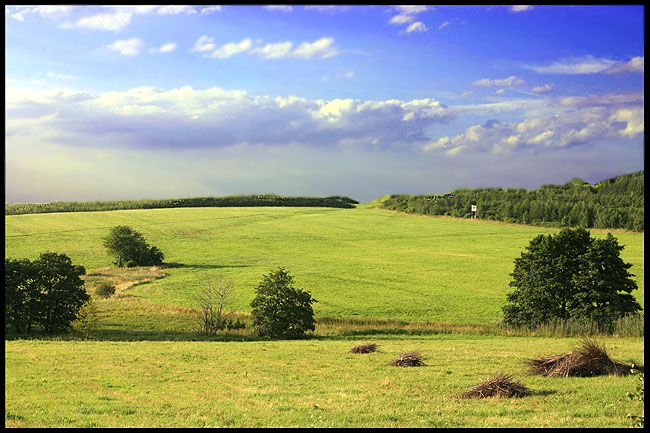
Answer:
[(279, 310), (129, 248), (105, 290)]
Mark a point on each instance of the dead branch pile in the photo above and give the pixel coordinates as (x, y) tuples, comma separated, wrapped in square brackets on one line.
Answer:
[(364, 348), (590, 359), (410, 359), (500, 386)]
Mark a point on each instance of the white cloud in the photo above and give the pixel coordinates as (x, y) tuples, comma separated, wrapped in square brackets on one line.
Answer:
[(164, 48), (282, 8), (543, 89), (443, 25), (210, 9), (574, 65), (231, 49), (417, 26), (276, 50), (636, 64), (107, 22), (126, 47), (204, 43), (407, 13), (322, 48), (500, 92), (175, 10), (401, 19), (185, 117), (574, 121), (520, 8), (510, 81), (48, 12)]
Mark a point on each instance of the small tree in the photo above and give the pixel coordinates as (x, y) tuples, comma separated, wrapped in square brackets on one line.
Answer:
[(212, 301), (129, 248), (279, 310), (570, 275)]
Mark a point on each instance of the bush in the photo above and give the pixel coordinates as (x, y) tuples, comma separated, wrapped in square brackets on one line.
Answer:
[(86, 321), (105, 290), (279, 310), (129, 248), (570, 276)]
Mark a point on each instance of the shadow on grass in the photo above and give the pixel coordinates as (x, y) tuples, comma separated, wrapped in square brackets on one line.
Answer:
[(183, 265)]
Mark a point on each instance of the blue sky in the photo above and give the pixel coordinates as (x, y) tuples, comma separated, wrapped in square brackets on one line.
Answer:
[(130, 102)]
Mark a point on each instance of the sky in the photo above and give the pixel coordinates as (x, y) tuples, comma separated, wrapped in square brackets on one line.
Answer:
[(143, 102)]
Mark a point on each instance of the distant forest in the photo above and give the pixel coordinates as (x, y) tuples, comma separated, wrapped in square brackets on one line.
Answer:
[(611, 203), (228, 201)]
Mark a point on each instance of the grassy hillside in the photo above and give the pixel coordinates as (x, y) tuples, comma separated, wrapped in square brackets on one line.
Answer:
[(356, 263), (145, 366)]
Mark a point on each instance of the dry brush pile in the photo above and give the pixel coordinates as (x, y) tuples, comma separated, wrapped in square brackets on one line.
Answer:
[(409, 359), (364, 348), (502, 385), (590, 359)]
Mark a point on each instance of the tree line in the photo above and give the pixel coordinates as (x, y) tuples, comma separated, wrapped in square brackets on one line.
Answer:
[(227, 201), (612, 203)]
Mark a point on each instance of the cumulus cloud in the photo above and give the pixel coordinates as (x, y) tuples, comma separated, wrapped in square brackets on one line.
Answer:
[(204, 43), (417, 26), (510, 81), (105, 21), (127, 47), (147, 117), (231, 48), (579, 121), (320, 49), (520, 8), (407, 14), (543, 89), (164, 48), (635, 64)]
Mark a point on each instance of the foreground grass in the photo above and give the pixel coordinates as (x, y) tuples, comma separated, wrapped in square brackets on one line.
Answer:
[(364, 263), (307, 383)]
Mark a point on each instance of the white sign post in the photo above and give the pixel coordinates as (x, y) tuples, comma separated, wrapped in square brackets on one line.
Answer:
[(474, 210)]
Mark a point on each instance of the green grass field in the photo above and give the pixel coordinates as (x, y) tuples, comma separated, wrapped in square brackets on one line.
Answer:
[(404, 282), (355, 262)]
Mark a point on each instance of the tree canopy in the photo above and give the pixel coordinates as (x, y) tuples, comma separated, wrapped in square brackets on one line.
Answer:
[(48, 292), (129, 248), (279, 310), (570, 275)]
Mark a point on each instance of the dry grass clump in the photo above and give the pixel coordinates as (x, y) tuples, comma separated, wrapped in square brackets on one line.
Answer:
[(410, 359), (590, 359), (364, 348), (501, 385)]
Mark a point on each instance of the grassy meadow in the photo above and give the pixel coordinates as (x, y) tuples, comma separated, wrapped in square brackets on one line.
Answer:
[(355, 262), (434, 285)]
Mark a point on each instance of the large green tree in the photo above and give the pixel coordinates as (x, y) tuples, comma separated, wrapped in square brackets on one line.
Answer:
[(48, 292), (279, 310), (129, 248), (570, 275)]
